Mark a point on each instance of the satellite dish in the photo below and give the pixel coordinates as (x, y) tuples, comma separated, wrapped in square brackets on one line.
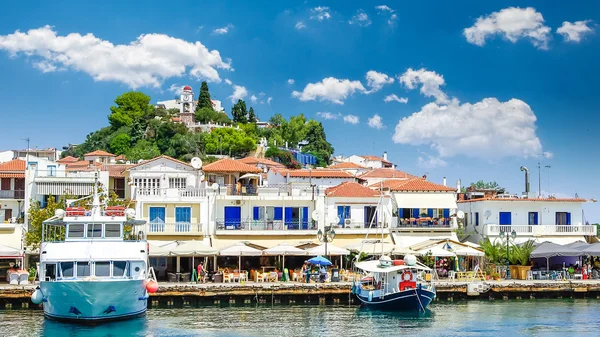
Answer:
[(196, 163), (315, 215), (334, 219), (215, 186), (487, 213), (460, 214)]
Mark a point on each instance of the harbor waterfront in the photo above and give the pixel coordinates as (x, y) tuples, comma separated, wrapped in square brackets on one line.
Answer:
[(464, 318)]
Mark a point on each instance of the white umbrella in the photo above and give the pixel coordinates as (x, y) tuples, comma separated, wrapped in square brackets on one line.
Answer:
[(154, 250), (436, 251), (331, 250), (400, 250), (240, 249), (194, 248), (284, 249), (373, 248), (468, 251)]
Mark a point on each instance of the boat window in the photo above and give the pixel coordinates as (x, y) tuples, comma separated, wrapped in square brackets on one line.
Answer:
[(112, 230), (66, 269), (119, 268), (94, 230), (50, 271), (76, 230), (83, 269), (102, 269)]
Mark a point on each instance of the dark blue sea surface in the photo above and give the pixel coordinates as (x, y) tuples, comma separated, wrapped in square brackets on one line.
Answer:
[(473, 318)]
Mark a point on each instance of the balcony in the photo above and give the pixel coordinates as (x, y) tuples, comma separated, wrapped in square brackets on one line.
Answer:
[(422, 225), (12, 194), (170, 193), (181, 228), (354, 226), (540, 230), (233, 227), (282, 190)]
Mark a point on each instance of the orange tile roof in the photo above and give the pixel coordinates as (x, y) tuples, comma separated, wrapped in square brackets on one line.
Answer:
[(386, 173), (375, 158), (526, 199), (318, 173), (67, 160), (99, 153), (83, 165), (121, 157), (116, 170), (230, 165), (415, 184), (14, 165), (347, 165), (352, 190), (157, 158), (264, 161)]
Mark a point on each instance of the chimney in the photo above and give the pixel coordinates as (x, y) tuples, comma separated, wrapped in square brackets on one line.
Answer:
[(444, 181), (385, 155), (523, 168), (458, 186)]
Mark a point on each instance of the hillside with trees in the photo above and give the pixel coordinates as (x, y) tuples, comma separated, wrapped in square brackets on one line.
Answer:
[(140, 131)]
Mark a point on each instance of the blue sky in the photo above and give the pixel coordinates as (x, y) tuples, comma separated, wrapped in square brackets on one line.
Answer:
[(489, 86)]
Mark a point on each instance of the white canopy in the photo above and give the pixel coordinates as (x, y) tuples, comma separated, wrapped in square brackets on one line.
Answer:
[(468, 251), (373, 248), (401, 250), (154, 250), (436, 251), (374, 267), (426, 200), (193, 248), (249, 175), (284, 249), (240, 249), (6, 251), (331, 250)]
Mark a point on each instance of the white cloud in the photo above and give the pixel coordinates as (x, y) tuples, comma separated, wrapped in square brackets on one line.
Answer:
[(376, 80), (392, 19), (269, 100), (430, 82), (574, 32), (254, 99), (239, 92), (394, 98), (376, 122), (176, 88), (329, 89), (513, 23), (328, 115), (360, 18), (384, 8), (46, 67), (430, 162), (228, 81), (223, 30), (351, 119), (261, 93), (147, 61), (548, 155), (487, 129), (320, 13), (291, 81), (300, 25)]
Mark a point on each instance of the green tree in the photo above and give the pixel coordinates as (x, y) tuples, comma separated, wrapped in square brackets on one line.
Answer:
[(37, 215), (204, 101), (120, 144), (186, 146), (166, 131), (239, 113), (130, 106), (482, 185), (277, 120), (294, 131), (206, 115), (317, 145), (234, 142), (251, 116), (143, 149)]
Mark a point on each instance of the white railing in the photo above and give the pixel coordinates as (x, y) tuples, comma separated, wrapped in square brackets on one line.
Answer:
[(171, 192), (540, 230), (180, 228)]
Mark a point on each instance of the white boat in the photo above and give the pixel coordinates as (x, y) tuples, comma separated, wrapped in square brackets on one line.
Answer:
[(394, 285), (93, 265)]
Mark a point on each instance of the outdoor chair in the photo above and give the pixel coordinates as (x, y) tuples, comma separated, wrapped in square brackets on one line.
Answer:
[(451, 275), (272, 276), (529, 275), (171, 277), (227, 278), (24, 278), (260, 277), (14, 278), (244, 276)]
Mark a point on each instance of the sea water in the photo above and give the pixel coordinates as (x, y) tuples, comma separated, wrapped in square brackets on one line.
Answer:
[(467, 318)]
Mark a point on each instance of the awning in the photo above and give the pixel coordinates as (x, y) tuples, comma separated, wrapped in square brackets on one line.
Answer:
[(240, 249), (10, 252), (250, 175), (157, 250), (468, 251), (549, 249), (425, 200), (223, 243), (284, 249), (59, 188), (372, 248), (331, 250), (193, 248), (436, 251), (419, 241)]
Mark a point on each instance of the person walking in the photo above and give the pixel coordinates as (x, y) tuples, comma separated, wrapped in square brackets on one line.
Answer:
[(201, 273)]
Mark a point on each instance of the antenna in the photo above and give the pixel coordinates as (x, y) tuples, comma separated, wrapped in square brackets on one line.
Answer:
[(27, 151)]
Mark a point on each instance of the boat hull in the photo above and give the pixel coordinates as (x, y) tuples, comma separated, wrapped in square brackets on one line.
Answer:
[(94, 301), (407, 300)]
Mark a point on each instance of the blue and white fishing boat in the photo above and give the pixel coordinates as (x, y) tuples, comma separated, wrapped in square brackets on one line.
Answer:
[(93, 264), (394, 285)]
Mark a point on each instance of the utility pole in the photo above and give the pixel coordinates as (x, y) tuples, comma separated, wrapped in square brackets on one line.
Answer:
[(27, 151), (539, 180), (548, 167)]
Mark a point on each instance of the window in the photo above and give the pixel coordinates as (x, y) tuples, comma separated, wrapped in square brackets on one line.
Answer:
[(66, 269), (183, 217), (119, 269), (94, 230), (296, 217), (343, 212), (422, 212), (404, 213), (112, 230), (157, 219), (177, 182), (563, 218), (102, 269), (533, 218), (476, 218), (147, 186), (370, 216), (50, 271), (505, 218), (51, 170), (83, 269), (75, 230)]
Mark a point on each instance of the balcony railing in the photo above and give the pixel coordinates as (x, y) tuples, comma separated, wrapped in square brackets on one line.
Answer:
[(540, 230), (264, 225), (423, 223), (356, 224), (272, 190), (171, 192), (178, 228), (12, 194)]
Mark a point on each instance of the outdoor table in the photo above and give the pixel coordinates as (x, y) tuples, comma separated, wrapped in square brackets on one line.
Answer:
[(264, 268)]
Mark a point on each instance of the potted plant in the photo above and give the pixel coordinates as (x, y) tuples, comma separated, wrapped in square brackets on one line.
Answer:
[(496, 276), (32, 272), (522, 254)]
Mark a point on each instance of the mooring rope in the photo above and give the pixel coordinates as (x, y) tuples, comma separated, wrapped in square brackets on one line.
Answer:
[(419, 298)]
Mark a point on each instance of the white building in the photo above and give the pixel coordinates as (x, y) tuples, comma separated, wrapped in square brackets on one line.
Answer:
[(372, 162), (318, 177)]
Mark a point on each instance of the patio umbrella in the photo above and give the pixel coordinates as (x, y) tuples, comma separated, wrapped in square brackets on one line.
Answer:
[(579, 245), (593, 249), (154, 250), (468, 251), (193, 248), (549, 249), (436, 251), (284, 249), (240, 249), (373, 248), (400, 250), (320, 261), (331, 250)]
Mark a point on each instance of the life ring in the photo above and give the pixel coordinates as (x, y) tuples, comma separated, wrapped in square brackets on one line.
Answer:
[(406, 276)]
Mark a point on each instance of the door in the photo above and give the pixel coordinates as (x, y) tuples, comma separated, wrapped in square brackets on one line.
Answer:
[(533, 218), (120, 187), (370, 216), (19, 188), (7, 214), (183, 217), (505, 218), (157, 219), (233, 217)]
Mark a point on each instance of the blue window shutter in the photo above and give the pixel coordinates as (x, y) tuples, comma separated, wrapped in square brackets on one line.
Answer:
[(400, 212), (415, 213), (446, 212), (256, 212), (367, 223), (430, 212), (347, 213), (183, 214), (505, 218), (568, 218), (341, 214), (288, 215), (157, 214), (278, 213), (305, 218)]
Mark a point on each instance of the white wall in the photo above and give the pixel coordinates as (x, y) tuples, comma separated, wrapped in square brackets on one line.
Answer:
[(275, 178), (357, 208), (164, 169)]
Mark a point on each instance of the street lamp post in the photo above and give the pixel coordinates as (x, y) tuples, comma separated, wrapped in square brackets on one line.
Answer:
[(508, 236), (326, 236)]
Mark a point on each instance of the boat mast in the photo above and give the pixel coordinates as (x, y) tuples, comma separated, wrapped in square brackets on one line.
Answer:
[(95, 196)]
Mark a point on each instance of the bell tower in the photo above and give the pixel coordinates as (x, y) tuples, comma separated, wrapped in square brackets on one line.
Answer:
[(188, 106)]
